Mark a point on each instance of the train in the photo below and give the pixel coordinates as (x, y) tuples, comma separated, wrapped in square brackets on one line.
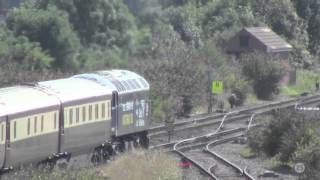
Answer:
[(98, 113)]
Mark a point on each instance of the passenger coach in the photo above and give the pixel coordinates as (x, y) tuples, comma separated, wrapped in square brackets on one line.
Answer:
[(98, 113)]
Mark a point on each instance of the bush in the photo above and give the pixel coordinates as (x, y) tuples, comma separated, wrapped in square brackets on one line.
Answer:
[(310, 156), (264, 71), (286, 135)]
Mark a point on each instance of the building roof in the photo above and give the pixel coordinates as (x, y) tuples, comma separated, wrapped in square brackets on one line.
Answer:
[(19, 99), (269, 38)]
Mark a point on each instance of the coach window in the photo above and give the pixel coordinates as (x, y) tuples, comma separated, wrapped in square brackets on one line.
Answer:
[(70, 116), (42, 119), (96, 111), (28, 126), (35, 124), (14, 130), (77, 115), (2, 132), (90, 112), (55, 120), (83, 113), (109, 109), (103, 110)]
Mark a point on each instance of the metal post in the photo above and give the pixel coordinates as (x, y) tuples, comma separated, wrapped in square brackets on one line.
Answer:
[(210, 93)]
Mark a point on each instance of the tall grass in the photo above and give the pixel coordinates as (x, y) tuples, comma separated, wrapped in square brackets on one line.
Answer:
[(138, 165), (143, 165), (305, 83)]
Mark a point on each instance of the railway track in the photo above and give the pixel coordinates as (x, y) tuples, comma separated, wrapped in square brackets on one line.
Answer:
[(217, 137), (209, 140), (242, 172), (204, 120), (209, 158)]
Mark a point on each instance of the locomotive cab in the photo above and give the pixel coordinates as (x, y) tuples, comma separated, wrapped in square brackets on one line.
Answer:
[(131, 104)]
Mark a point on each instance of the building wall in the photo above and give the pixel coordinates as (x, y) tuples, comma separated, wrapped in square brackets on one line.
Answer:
[(233, 46)]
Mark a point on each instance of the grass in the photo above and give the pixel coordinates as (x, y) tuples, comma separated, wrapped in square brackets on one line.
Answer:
[(306, 80), (247, 153), (143, 165), (138, 165), (251, 99)]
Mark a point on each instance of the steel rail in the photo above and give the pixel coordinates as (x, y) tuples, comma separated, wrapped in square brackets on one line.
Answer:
[(243, 172), (160, 130), (203, 169)]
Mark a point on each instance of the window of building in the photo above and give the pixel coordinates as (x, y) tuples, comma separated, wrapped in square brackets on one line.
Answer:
[(96, 111), (28, 131), (103, 110), (90, 112), (83, 113), (35, 124), (70, 116), (244, 41), (77, 115)]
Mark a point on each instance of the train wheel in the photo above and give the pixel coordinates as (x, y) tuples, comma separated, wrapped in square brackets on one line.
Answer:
[(120, 148), (96, 157), (144, 141)]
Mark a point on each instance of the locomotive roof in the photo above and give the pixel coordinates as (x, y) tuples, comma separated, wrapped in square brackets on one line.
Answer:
[(73, 89), (98, 79), (19, 99), (125, 80)]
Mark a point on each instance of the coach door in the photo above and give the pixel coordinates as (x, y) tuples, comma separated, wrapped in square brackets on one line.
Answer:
[(3, 125), (114, 112)]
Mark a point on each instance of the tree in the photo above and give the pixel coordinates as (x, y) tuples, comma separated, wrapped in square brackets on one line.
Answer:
[(281, 16), (51, 29), (265, 71), (222, 19), (176, 73), (309, 11), (20, 59)]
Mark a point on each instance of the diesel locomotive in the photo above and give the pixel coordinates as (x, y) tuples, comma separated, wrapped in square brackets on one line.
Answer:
[(97, 113)]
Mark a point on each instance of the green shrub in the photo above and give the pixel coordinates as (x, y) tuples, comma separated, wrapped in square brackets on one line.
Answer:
[(264, 71), (286, 137), (306, 80)]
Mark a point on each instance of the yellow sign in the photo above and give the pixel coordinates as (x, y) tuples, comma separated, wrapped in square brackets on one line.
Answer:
[(217, 87), (127, 119)]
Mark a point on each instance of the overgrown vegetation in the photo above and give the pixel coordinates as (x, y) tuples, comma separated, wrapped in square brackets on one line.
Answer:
[(305, 82), (143, 165), (137, 165), (177, 45), (265, 73), (289, 137)]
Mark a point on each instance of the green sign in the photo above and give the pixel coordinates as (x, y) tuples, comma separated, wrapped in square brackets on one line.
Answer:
[(217, 87)]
